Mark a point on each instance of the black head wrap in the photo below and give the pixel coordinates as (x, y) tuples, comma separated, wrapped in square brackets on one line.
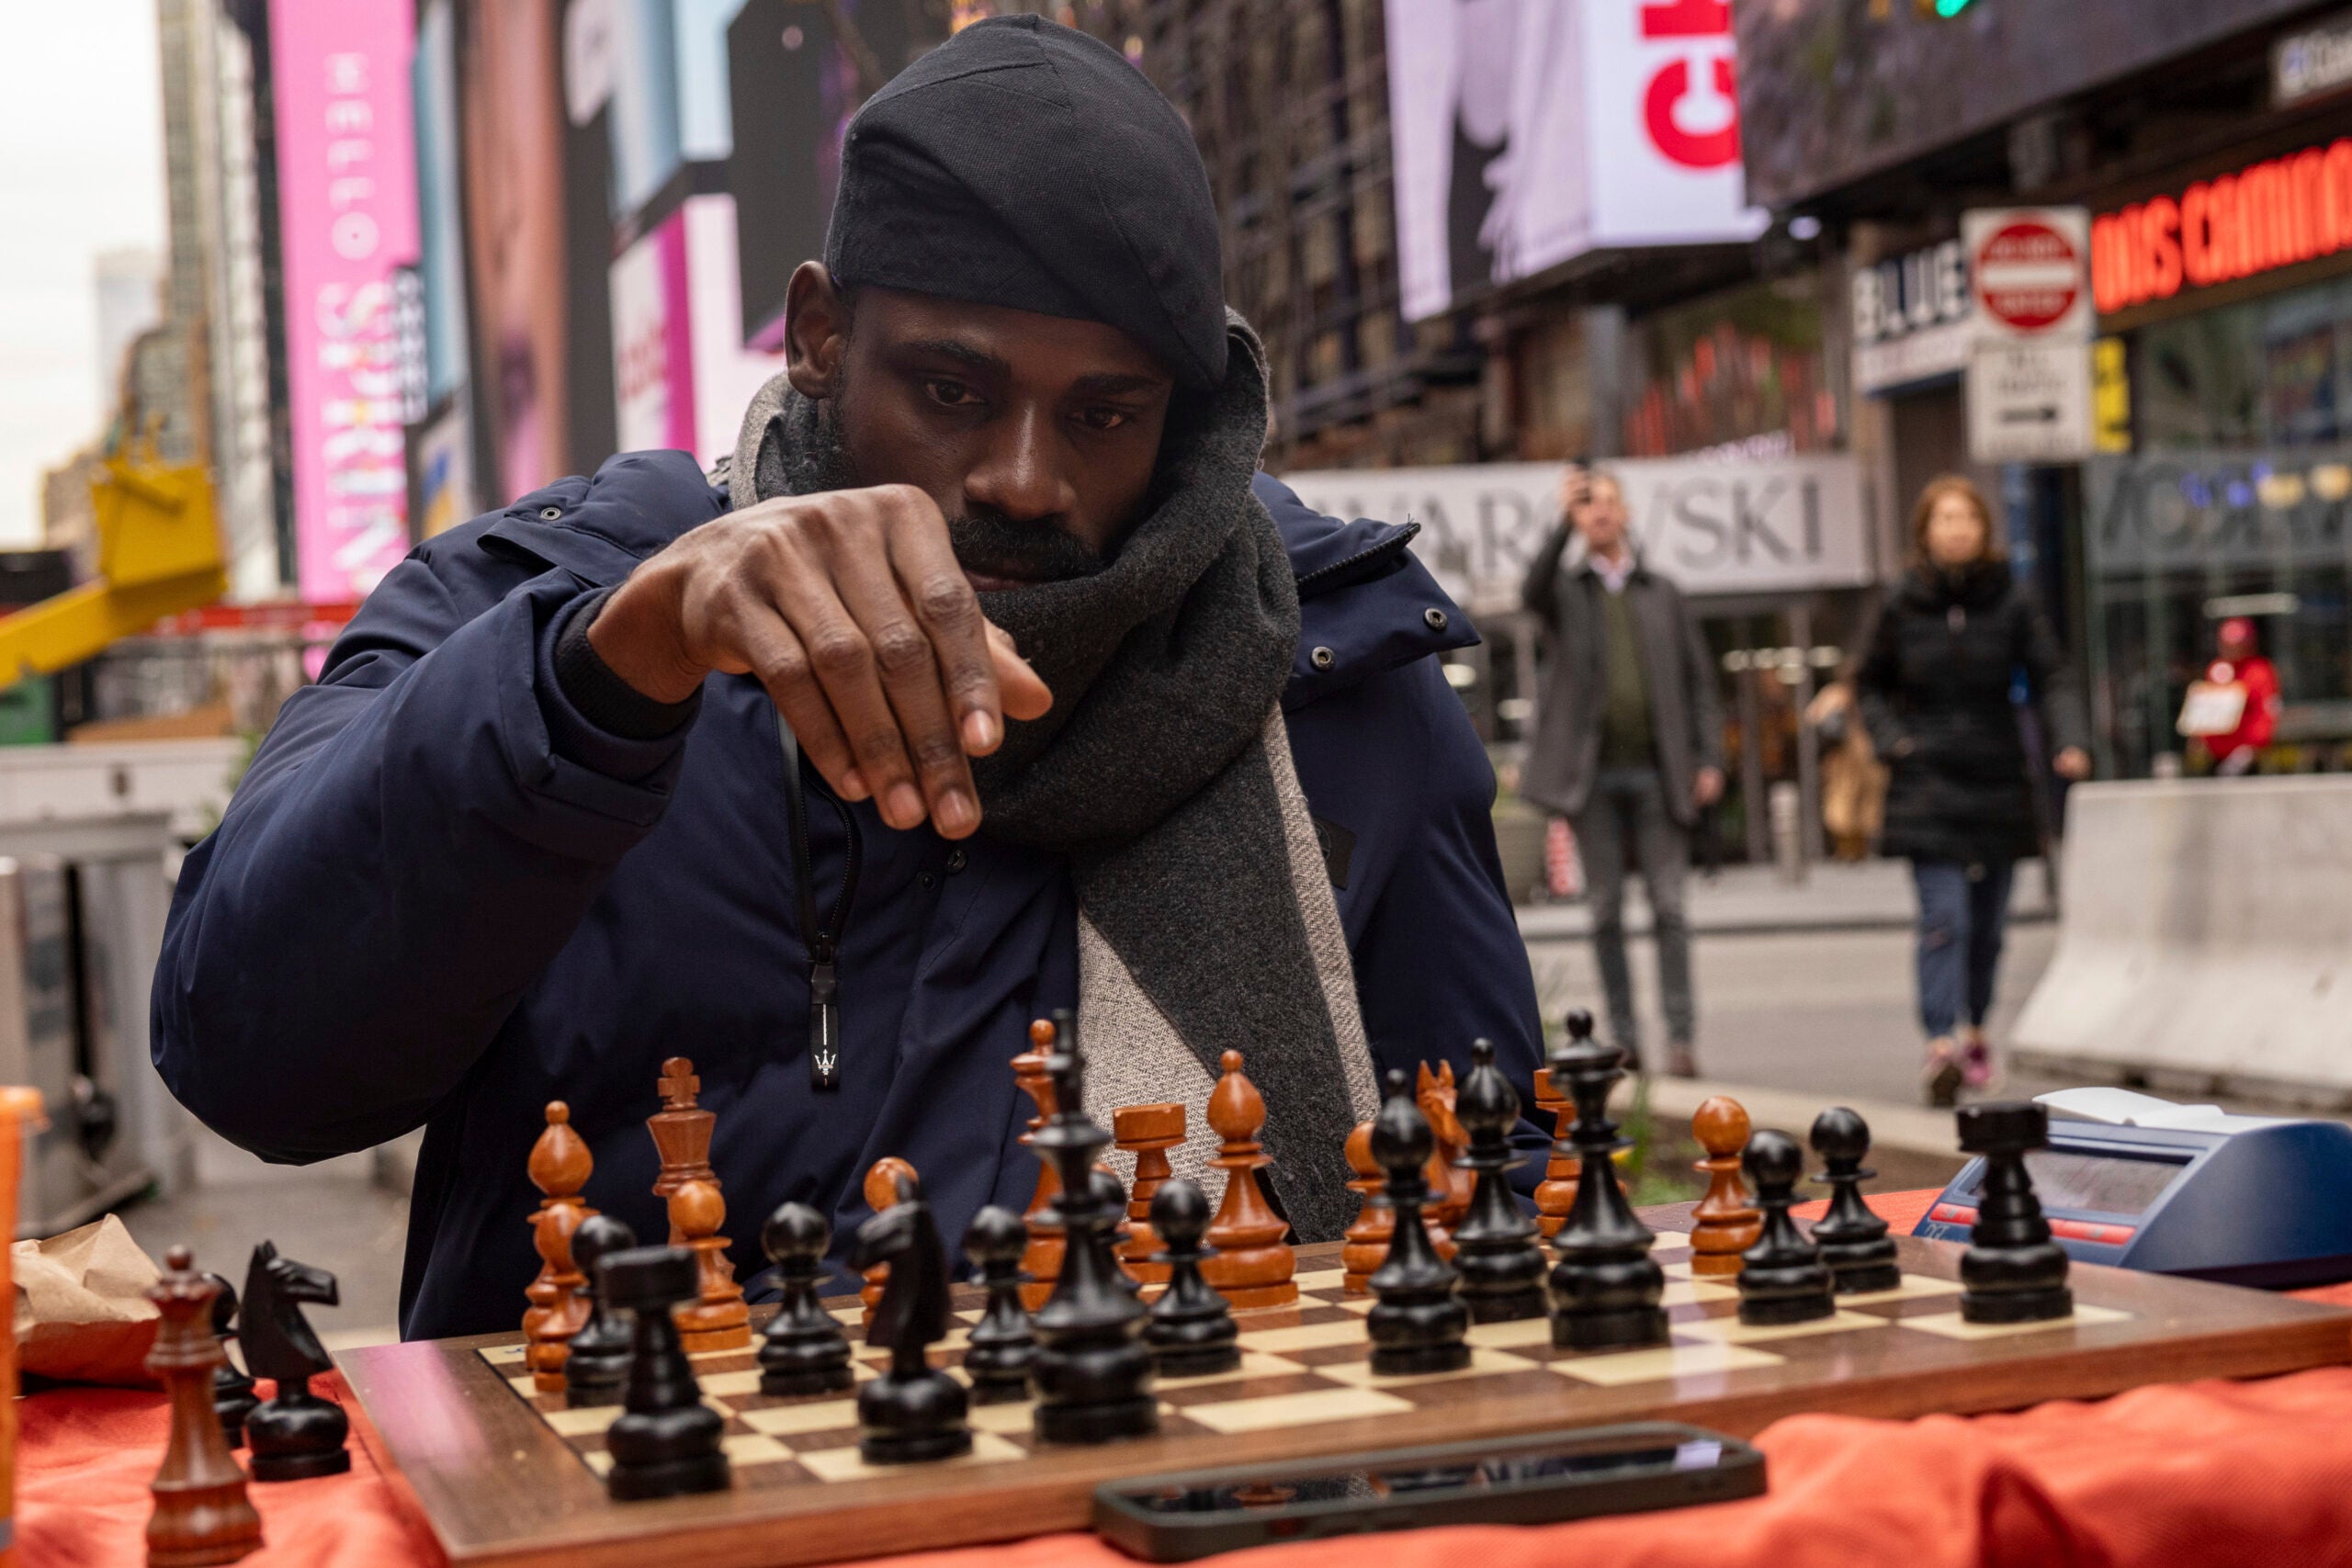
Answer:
[(1026, 165)]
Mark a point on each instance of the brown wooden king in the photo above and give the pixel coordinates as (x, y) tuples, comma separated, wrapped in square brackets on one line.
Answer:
[(202, 1514)]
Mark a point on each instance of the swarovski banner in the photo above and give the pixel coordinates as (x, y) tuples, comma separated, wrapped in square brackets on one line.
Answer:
[(2202, 512), (1528, 133), (1781, 524)]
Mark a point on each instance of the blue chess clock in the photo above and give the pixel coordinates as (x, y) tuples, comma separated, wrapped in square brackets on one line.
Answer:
[(2137, 1183)]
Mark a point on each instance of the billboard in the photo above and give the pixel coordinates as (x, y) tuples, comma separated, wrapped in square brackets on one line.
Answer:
[(346, 184), (1769, 525), (1528, 133), (681, 373), (654, 387), (1830, 95)]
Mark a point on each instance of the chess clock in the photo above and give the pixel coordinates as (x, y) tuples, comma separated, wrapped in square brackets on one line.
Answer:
[(2136, 1182)]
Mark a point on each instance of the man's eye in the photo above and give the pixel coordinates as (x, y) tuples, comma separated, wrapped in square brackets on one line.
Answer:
[(1105, 418), (951, 394)]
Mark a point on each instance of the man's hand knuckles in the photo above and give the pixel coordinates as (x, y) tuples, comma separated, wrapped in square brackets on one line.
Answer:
[(939, 757), (948, 603), (900, 650), (840, 651)]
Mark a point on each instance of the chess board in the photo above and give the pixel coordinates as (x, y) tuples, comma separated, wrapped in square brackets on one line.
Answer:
[(511, 1477)]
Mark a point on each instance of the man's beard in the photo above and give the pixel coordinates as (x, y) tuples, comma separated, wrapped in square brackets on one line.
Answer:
[(985, 540)]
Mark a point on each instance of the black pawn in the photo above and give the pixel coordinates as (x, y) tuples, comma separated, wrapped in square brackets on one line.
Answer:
[(1606, 1287), (1001, 1347), (666, 1440), (802, 1349), (2013, 1271), (1853, 1240), (1782, 1277), (1496, 1246), (595, 1362), (1093, 1372), (1191, 1330), (1417, 1321), (232, 1388)]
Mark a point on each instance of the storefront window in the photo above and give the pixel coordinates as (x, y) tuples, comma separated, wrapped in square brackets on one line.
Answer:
[(2179, 541)]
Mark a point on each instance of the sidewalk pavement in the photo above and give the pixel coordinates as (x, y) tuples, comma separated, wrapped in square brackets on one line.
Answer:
[(1873, 895)]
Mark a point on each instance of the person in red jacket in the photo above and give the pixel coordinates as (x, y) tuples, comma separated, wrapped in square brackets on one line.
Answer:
[(2241, 663)]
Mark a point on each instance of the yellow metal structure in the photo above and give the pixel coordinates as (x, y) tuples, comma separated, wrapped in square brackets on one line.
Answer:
[(159, 553)]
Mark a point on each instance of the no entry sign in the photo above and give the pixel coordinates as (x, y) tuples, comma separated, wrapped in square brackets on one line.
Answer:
[(2030, 267)]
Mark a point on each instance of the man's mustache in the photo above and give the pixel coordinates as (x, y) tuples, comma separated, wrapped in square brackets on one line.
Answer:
[(995, 545)]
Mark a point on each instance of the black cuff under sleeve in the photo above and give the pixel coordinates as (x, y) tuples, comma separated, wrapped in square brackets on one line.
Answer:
[(603, 698)]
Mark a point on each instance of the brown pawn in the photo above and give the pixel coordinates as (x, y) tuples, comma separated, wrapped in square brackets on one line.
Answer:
[(560, 1168), (880, 1191), (681, 1132), (1450, 1185), (1043, 1260), (1726, 1223), (1367, 1238), (1250, 1266), (1147, 1132), (201, 1512), (1556, 1193), (718, 1320)]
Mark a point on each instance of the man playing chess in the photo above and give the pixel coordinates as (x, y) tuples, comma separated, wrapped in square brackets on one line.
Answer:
[(1077, 709)]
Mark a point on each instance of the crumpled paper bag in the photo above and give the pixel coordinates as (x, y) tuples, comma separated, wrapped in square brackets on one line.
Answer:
[(82, 1313)]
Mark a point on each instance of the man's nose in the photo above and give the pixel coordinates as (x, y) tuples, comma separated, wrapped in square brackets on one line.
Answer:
[(1021, 476)]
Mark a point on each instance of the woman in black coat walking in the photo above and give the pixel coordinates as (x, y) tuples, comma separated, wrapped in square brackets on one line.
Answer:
[(1936, 683)]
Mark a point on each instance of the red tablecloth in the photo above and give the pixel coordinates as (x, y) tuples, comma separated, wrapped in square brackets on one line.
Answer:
[(2199, 1473)]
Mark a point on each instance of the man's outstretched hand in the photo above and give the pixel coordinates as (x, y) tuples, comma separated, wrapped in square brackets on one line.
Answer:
[(852, 611)]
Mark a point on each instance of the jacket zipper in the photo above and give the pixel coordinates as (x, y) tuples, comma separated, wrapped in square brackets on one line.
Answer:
[(824, 939)]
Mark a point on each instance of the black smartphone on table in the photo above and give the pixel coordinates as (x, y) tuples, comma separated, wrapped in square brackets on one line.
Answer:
[(1539, 1479)]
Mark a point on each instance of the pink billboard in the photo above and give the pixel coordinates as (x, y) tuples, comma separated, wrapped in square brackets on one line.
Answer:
[(347, 183)]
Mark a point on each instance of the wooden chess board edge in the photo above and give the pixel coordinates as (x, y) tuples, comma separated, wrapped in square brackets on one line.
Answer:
[(1053, 1492)]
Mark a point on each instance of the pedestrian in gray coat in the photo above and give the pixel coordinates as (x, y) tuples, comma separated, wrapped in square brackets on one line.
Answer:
[(1628, 740)]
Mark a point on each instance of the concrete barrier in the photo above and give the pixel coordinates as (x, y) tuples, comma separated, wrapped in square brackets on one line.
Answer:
[(2205, 942)]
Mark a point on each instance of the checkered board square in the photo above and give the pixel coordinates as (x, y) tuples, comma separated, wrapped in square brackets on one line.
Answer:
[(1302, 1366)]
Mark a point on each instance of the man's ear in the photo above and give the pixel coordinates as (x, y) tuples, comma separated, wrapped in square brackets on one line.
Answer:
[(815, 335)]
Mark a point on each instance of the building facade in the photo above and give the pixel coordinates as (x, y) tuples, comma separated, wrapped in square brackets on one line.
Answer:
[(2206, 148)]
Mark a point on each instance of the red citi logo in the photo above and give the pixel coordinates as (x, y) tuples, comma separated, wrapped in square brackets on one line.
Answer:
[(2271, 214), (1670, 86)]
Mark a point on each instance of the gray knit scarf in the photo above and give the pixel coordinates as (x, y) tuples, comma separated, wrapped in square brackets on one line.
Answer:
[(1163, 773)]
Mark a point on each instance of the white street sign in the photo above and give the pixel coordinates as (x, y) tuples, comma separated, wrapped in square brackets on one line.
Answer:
[(2030, 403)]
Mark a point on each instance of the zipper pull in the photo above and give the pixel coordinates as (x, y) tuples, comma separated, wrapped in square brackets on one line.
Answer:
[(824, 1025)]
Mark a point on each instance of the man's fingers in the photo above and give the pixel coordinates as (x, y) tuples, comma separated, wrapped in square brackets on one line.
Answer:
[(781, 664), (842, 659), (943, 602), (906, 659), (1023, 690)]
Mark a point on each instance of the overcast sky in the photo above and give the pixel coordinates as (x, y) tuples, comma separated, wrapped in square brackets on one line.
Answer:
[(81, 172)]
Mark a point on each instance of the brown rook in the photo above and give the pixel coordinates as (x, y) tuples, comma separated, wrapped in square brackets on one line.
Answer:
[(1147, 1132)]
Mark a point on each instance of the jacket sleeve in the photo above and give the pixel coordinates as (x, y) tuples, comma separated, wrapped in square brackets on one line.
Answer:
[(1441, 962), (1541, 590), (2051, 679), (418, 836), (1705, 704), (1877, 680)]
